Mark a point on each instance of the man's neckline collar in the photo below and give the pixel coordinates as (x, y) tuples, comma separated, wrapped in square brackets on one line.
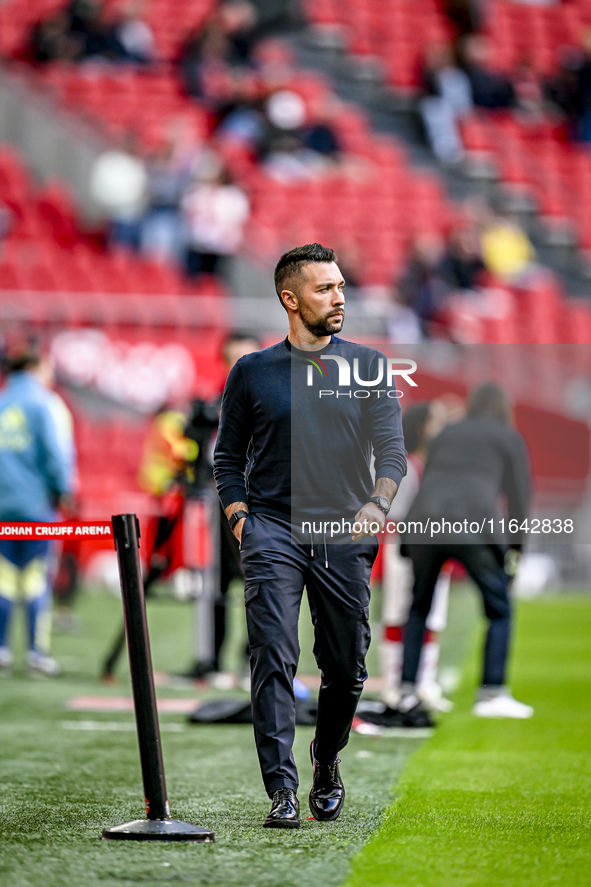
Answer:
[(304, 353)]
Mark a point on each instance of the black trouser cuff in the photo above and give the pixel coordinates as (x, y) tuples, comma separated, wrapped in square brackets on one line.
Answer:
[(276, 784)]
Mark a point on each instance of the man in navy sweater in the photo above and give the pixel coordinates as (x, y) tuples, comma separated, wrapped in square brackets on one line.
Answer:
[(292, 467)]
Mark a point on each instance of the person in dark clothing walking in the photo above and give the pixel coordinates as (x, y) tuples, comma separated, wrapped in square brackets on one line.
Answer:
[(235, 347), (291, 462), (471, 464)]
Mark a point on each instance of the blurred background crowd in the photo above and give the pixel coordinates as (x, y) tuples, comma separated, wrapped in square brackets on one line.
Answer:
[(158, 156)]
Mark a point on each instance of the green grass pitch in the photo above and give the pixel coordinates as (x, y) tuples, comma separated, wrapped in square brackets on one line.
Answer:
[(502, 802), (479, 803)]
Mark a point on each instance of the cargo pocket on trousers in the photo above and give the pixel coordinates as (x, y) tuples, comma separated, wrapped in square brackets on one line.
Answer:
[(363, 639), (256, 633), (251, 591)]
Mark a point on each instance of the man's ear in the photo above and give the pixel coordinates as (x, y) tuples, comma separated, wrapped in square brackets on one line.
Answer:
[(289, 299)]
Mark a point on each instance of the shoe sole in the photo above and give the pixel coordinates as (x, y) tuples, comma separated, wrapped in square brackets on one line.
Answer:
[(504, 717), (423, 724), (42, 675), (293, 823)]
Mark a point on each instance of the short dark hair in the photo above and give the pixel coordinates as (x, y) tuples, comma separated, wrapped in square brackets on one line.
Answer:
[(490, 401), (19, 351), (413, 424), (239, 336), (291, 263)]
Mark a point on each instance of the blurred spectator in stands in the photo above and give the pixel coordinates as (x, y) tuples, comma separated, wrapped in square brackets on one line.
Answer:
[(570, 90), (35, 478), (52, 40), (563, 89), (202, 56), (463, 261), (489, 88), (465, 15), (584, 88), (404, 326), (447, 97), (319, 133), (169, 175), (118, 184), (239, 19), (82, 14), (275, 64), (285, 111), (135, 35), (211, 51), (424, 287), (215, 211), (529, 94), (83, 30), (242, 121), (98, 37), (293, 148), (507, 251)]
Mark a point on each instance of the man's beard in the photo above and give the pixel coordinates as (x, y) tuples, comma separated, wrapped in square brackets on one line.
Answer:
[(322, 326)]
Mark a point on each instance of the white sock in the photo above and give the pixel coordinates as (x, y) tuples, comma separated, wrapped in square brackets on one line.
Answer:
[(392, 671), (428, 663), (409, 699)]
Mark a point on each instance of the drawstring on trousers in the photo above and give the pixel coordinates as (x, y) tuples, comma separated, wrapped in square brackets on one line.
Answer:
[(325, 548)]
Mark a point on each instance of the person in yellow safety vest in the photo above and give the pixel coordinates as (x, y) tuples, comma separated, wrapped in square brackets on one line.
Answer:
[(166, 452), (166, 461)]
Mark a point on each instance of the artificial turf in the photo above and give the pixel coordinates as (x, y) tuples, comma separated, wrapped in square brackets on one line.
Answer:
[(60, 785), (480, 802), (501, 802)]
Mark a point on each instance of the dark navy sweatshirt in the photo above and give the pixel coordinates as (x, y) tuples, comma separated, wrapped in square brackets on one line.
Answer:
[(293, 442)]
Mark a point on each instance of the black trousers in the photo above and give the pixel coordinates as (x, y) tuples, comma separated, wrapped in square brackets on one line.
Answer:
[(484, 564), (275, 572)]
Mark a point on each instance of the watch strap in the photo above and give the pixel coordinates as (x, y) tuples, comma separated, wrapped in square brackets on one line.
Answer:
[(234, 518), (382, 502)]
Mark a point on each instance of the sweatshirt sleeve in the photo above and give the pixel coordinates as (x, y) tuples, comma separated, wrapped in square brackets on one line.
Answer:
[(517, 483), (234, 436), (387, 437)]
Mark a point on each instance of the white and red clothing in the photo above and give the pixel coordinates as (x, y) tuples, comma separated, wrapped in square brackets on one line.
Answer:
[(397, 598)]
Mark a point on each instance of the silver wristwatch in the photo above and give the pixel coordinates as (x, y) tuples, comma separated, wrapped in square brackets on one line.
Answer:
[(382, 502)]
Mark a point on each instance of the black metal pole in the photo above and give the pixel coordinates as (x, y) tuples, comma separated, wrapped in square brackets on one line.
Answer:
[(158, 825)]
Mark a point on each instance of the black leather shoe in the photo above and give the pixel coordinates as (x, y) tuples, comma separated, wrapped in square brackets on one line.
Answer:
[(417, 716), (285, 810), (328, 792)]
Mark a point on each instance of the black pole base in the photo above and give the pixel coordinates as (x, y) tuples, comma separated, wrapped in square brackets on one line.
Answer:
[(158, 830)]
